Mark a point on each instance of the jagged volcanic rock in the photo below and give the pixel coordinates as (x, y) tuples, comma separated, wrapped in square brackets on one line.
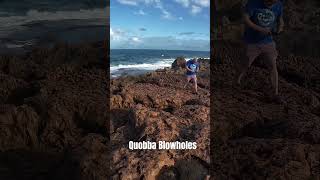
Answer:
[(155, 107), (254, 138), (53, 114)]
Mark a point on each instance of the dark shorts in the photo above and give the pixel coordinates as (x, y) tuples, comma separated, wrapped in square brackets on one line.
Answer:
[(192, 76), (268, 50)]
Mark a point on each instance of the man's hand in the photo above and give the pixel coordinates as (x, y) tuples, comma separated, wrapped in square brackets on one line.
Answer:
[(188, 69), (265, 31), (280, 31), (280, 26)]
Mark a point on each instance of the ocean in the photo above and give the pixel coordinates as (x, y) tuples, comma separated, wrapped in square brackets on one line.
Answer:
[(24, 26), (140, 61), (48, 33)]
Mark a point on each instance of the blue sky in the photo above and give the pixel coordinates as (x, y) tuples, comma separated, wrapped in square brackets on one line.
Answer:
[(160, 24)]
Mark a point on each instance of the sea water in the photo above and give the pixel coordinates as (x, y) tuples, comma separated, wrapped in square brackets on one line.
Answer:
[(140, 61)]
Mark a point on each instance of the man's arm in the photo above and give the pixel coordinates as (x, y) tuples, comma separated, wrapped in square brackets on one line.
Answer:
[(188, 68), (280, 19), (280, 24), (252, 25)]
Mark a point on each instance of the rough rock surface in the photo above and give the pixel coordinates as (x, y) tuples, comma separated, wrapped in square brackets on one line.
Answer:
[(254, 138), (179, 62), (156, 107), (53, 119)]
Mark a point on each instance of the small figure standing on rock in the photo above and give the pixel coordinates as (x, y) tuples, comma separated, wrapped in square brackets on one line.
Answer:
[(192, 67), (262, 19)]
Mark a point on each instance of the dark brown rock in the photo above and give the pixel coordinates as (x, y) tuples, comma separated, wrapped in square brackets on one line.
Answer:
[(254, 138), (156, 107), (53, 114), (180, 62)]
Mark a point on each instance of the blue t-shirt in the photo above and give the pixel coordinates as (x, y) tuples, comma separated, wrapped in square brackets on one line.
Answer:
[(193, 66), (262, 16)]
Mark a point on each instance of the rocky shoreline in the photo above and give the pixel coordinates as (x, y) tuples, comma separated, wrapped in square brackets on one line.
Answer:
[(55, 123), (155, 107), (254, 138), (53, 117)]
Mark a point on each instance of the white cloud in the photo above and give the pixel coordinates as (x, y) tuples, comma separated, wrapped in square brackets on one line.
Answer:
[(169, 42), (155, 3), (111, 32), (194, 5), (138, 2), (140, 12), (203, 3), (195, 9), (184, 3), (116, 34), (166, 14), (136, 39), (150, 1), (129, 2)]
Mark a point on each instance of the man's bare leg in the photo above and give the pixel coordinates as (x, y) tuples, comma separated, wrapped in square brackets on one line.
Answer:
[(275, 80), (195, 84), (272, 58), (271, 54), (252, 52), (188, 80), (244, 68)]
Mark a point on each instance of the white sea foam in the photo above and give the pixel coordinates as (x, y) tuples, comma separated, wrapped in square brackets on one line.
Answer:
[(10, 46), (163, 63), (144, 66), (19, 44)]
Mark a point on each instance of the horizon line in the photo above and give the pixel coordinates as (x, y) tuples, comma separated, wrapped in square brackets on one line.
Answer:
[(158, 49)]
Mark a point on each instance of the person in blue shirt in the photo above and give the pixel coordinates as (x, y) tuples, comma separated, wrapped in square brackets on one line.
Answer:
[(192, 67), (262, 18)]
